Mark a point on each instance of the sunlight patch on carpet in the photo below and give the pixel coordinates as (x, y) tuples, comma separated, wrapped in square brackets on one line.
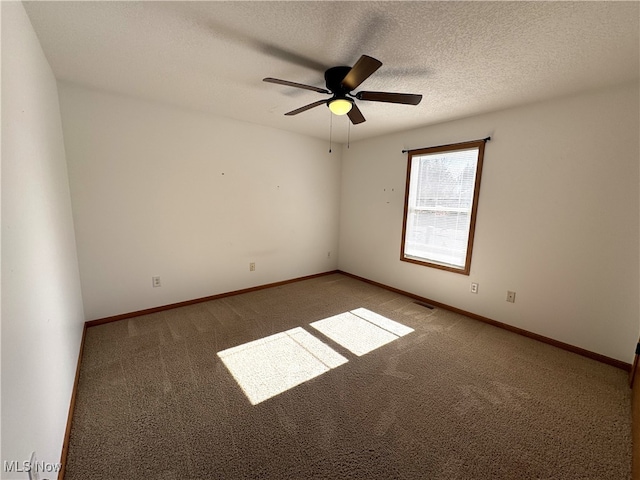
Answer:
[(271, 365), (274, 364), (361, 331)]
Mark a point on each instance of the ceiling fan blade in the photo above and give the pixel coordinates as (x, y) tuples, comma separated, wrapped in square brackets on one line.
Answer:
[(404, 98), (355, 115), (294, 84), (363, 68), (306, 107)]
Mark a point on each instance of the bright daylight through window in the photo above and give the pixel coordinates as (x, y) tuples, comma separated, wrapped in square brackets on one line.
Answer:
[(443, 184)]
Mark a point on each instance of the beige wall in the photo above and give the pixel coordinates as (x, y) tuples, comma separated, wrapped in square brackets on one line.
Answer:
[(557, 219), (191, 198), (42, 313)]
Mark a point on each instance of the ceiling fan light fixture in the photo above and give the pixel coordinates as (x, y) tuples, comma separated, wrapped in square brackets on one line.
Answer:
[(340, 106)]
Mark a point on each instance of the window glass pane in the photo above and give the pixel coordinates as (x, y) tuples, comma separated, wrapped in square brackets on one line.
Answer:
[(440, 206)]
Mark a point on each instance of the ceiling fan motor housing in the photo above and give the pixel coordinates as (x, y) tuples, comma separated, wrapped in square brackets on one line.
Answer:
[(333, 78)]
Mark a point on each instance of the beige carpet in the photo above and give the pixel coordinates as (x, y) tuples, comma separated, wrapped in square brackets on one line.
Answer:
[(436, 396)]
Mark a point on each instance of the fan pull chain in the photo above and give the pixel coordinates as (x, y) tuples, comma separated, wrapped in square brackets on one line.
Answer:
[(348, 134), (330, 129)]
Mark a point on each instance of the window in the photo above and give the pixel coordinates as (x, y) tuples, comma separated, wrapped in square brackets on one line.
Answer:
[(441, 201)]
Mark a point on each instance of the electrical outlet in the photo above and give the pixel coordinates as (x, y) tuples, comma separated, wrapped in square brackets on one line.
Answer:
[(474, 288), (511, 297), (252, 267), (155, 281)]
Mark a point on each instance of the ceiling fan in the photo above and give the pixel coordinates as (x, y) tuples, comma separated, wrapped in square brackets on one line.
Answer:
[(341, 81)]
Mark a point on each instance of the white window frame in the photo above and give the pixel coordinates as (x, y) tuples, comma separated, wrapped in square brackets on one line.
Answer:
[(411, 197)]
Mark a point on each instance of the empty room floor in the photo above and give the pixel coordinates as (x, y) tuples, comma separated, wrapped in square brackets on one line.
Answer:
[(334, 378)]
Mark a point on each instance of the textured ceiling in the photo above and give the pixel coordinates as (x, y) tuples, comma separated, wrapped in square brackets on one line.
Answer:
[(464, 57)]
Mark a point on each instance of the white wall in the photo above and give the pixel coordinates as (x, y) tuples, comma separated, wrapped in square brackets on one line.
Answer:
[(42, 314), (193, 198), (557, 219)]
